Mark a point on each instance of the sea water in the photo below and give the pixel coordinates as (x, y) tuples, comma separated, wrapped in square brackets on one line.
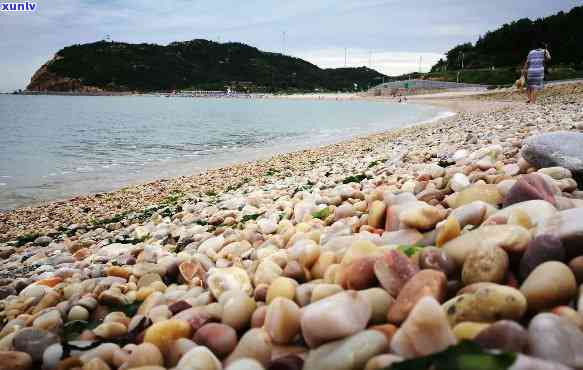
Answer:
[(54, 147)]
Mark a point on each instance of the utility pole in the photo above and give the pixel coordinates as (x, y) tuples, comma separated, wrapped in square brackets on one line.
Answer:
[(345, 57), (370, 59), (462, 60), (421, 64), (461, 57), (283, 42)]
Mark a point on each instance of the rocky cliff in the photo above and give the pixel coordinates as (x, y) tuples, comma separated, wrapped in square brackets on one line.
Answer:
[(45, 80)]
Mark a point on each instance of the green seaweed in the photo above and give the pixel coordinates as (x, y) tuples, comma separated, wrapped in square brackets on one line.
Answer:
[(132, 240), (243, 182), (106, 221), (173, 198), (26, 238), (355, 178), (466, 355), (129, 309), (322, 214), (169, 211), (73, 329), (271, 171), (251, 217), (409, 250), (374, 163), (307, 187)]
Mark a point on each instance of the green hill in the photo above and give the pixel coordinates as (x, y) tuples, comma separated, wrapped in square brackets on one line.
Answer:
[(196, 64), (509, 45)]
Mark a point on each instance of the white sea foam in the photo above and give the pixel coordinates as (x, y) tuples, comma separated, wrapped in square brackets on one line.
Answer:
[(440, 115)]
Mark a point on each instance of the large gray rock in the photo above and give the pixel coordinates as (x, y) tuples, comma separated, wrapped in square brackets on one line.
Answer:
[(43, 241), (561, 148)]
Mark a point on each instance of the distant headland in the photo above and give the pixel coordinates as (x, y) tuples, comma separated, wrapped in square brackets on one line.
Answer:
[(191, 65)]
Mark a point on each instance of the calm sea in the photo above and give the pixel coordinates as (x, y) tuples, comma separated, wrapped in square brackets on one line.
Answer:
[(53, 147)]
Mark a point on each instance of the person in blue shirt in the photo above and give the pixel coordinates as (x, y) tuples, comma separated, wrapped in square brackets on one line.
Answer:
[(534, 67)]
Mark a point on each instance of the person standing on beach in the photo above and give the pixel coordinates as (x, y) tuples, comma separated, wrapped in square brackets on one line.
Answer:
[(534, 67)]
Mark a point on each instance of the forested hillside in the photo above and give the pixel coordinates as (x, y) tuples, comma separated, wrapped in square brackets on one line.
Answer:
[(509, 45), (196, 64)]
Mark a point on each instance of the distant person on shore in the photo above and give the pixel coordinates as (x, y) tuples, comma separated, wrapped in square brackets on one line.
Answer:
[(534, 67)]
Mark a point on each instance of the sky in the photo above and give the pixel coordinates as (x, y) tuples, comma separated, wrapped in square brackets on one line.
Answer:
[(391, 36)]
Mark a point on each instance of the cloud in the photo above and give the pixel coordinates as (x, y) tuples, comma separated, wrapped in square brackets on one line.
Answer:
[(397, 31), (387, 62)]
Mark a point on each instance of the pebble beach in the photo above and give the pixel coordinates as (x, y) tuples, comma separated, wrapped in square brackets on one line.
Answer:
[(463, 235)]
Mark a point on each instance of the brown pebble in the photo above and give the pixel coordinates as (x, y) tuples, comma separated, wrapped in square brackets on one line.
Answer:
[(258, 317), (260, 293), (541, 249), (13, 360), (436, 259), (70, 363), (387, 329), (488, 263), (529, 187), (504, 335), (359, 274), (219, 338), (289, 362), (424, 283), (178, 306), (576, 265), (393, 270), (294, 270), (162, 334)]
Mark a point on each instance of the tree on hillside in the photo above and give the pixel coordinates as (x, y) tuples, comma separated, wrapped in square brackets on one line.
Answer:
[(198, 64), (508, 45)]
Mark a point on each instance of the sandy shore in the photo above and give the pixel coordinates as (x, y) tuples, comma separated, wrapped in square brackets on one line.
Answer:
[(319, 96), (53, 217), (465, 104)]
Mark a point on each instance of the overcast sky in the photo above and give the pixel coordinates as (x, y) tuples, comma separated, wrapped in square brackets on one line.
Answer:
[(389, 35)]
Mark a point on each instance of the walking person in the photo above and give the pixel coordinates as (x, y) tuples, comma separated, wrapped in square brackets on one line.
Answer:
[(534, 67)]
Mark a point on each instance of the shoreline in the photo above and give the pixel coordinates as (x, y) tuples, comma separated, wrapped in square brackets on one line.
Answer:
[(186, 167), (53, 217), (164, 191)]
